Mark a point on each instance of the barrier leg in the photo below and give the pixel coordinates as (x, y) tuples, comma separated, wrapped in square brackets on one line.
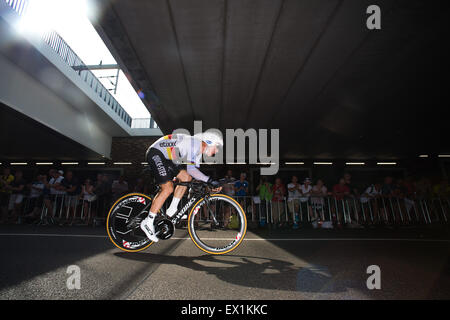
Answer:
[(400, 210), (426, 210)]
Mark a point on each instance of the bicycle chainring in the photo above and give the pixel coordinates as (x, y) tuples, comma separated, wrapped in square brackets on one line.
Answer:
[(164, 228)]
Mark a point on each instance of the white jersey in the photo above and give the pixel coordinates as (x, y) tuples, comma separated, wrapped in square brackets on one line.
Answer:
[(180, 148)]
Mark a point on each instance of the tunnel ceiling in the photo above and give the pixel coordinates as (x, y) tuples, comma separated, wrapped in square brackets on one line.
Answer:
[(310, 68)]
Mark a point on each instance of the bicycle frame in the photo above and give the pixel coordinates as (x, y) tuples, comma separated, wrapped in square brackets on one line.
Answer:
[(198, 193)]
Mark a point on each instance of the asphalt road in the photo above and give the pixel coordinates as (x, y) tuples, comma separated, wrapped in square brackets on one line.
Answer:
[(305, 264)]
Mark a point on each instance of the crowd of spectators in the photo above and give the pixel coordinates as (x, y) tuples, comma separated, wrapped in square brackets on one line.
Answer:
[(311, 203), (295, 203), (61, 193)]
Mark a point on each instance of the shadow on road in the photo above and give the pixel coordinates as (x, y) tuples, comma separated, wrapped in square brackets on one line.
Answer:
[(248, 271)]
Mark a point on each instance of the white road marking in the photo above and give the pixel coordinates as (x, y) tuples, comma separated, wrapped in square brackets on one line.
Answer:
[(245, 239)]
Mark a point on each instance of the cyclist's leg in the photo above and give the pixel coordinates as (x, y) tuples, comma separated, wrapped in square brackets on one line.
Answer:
[(182, 176), (161, 197)]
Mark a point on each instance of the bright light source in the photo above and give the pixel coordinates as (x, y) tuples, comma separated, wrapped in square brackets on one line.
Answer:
[(19, 163), (386, 163), (323, 163), (69, 163), (44, 163), (236, 163), (293, 163), (355, 163), (444, 155), (122, 163), (96, 163), (144, 163), (423, 156), (42, 16)]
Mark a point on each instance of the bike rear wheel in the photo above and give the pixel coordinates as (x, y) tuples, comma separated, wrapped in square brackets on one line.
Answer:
[(223, 234), (125, 237)]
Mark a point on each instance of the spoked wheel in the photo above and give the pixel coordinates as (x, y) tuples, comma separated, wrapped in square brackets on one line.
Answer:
[(123, 222), (217, 225)]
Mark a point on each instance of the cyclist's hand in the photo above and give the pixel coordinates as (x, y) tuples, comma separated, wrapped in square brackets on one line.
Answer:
[(214, 184), (215, 190)]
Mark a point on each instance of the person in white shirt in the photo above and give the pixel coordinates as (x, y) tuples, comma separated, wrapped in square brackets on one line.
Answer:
[(305, 190), (36, 192), (369, 202), (54, 203)]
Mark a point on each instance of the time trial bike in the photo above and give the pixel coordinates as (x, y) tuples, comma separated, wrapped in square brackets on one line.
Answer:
[(216, 222)]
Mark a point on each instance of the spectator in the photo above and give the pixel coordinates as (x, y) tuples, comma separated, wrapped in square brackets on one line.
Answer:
[(227, 188), (279, 192), (228, 183), (340, 191), (370, 200), (264, 190), (442, 189), (88, 197), (17, 192), (318, 194), (241, 190), (140, 186), (73, 190), (241, 186), (410, 195), (387, 191), (294, 192), (103, 191), (353, 210), (54, 202), (119, 187), (423, 187), (5, 180), (36, 196), (305, 208), (399, 193), (348, 181)]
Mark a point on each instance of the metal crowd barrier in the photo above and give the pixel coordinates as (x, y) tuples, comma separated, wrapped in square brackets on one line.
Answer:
[(382, 210), (63, 209), (346, 211)]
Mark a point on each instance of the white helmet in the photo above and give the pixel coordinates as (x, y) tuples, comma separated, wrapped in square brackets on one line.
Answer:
[(210, 138)]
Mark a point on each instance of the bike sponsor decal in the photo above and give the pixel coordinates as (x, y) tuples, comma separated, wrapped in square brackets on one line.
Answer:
[(125, 244), (185, 208), (196, 210), (227, 246), (168, 144), (134, 244), (133, 199), (238, 236), (159, 165)]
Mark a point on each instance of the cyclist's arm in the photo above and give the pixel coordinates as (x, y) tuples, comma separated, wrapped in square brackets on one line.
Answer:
[(196, 174)]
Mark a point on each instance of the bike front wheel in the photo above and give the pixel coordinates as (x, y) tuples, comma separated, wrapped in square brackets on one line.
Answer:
[(217, 224)]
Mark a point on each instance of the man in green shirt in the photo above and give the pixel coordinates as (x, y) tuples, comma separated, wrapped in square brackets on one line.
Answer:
[(264, 190)]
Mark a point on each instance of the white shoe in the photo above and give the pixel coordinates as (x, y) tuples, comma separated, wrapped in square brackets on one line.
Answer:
[(147, 225)]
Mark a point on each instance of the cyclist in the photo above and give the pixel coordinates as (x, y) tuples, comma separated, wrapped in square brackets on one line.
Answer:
[(179, 156)]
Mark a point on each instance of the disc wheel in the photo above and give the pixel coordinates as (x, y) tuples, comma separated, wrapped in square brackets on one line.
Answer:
[(128, 237)]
